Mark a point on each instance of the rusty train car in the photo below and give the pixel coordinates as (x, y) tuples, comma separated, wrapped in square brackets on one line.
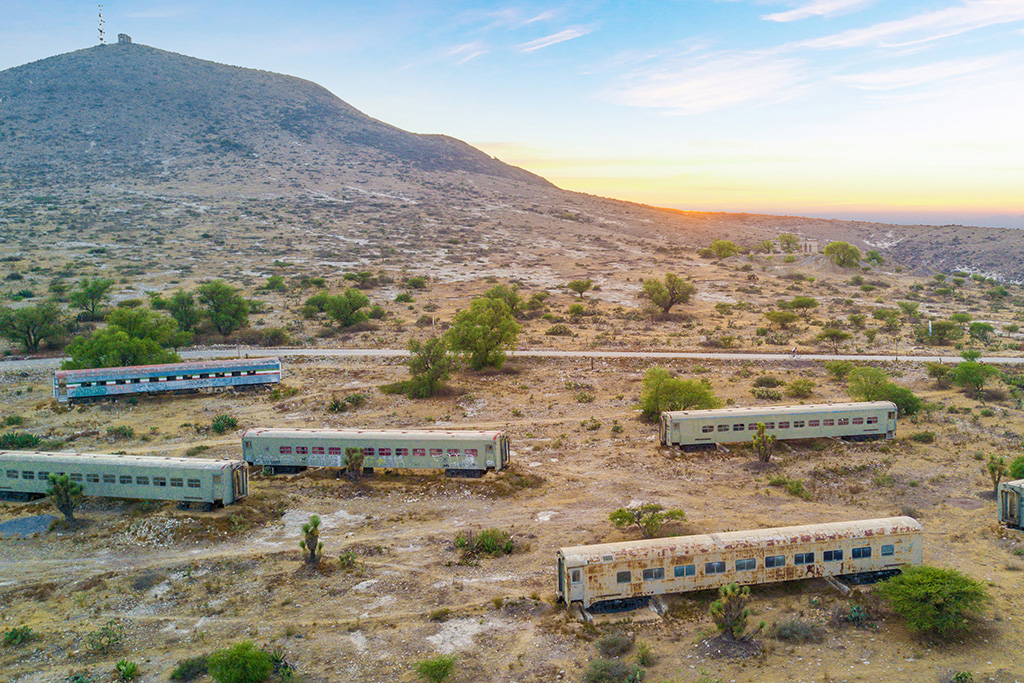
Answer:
[(1011, 503), (612, 575)]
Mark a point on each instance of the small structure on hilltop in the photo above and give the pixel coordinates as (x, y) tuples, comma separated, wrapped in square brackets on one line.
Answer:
[(810, 245), (124, 39)]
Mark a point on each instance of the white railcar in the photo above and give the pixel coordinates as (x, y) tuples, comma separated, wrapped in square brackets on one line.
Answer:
[(457, 453), (204, 481), (1011, 503), (625, 573), (701, 429)]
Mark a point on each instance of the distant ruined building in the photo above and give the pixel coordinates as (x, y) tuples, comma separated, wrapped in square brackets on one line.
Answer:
[(810, 245), (124, 39)]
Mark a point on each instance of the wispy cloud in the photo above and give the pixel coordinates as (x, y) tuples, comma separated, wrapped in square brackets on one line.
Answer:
[(554, 39), (894, 79), (467, 51), (817, 8), (926, 27), (543, 16), (720, 81)]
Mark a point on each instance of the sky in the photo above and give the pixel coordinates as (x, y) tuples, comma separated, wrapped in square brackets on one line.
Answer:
[(901, 111)]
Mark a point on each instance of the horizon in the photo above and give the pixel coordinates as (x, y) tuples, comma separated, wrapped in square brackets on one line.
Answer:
[(900, 113)]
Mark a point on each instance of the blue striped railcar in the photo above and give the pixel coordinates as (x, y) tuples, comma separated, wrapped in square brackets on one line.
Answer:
[(74, 386)]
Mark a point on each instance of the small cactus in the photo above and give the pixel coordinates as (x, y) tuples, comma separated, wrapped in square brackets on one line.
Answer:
[(312, 548)]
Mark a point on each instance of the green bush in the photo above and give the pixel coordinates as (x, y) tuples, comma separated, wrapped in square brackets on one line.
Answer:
[(769, 381), (800, 388), (559, 330), (190, 669), (934, 601), (487, 542), (607, 671), (126, 670), (106, 638), (240, 663), (224, 423), (615, 644), (1017, 468), (798, 631), (766, 394), (436, 670), (120, 432), (19, 635), (922, 437), (18, 441), (794, 487)]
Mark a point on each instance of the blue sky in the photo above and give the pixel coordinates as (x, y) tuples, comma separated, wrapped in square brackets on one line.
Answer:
[(893, 110)]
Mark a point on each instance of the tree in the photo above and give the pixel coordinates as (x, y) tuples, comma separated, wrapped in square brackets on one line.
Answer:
[(867, 383), (226, 309), (764, 444), (981, 331), (1017, 468), (580, 286), (675, 290), (482, 332), (430, 365), (111, 347), (834, 337), (240, 663), (782, 318), (889, 317), (510, 295), (32, 325), (312, 547), (838, 369), (843, 254), (661, 391), (789, 242), (765, 247), (934, 601), (940, 332), (909, 308), (66, 495), (353, 462), (649, 518), (874, 257), (961, 318), (143, 323), (345, 308), (803, 304), (997, 469), (730, 611), (182, 307), (723, 249), (91, 294), (971, 376)]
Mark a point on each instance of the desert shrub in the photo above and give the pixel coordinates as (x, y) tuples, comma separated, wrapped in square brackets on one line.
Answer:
[(240, 663), (440, 614), (106, 638), (838, 369), (559, 330), (615, 644), (766, 394), (224, 423), (932, 600), (1017, 468), (770, 381), (19, 635), (120, 432), (487, 542), (126, 670), (13, 421), (190, 669), (18, 440), (798, 631), (800, 388), (645, 656), (404, 298), (377, 312), (922, 437), (607, 671), (794, 487), (436, 670)]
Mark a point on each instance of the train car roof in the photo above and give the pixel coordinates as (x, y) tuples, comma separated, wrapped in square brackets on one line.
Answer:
[(1016, 483), (167, 367), (385, 433), (112, 459), (783, 410), (685, 546)]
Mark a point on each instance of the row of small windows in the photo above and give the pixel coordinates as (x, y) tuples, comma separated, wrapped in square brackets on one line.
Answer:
[(94, 478), (168, 378), (794, 424), (384, 452), (750, 564)]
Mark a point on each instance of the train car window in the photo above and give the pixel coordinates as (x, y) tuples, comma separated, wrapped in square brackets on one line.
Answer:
[(142, 480), (384, 452), (814, 423), (654, 574), (119, 382), (842, 421), (136, 380), (746, 564), (204, 375), (828, 423), (42, 475), (723, 428), (872, 420), (453, 452), (607, 558), (575, 576), (251, 372), (368, 452), (471, 452), (86, 384), (419, 452), (248, 444), (752, 426), (125, 479), (436, 452), (334, 450), (888, 550), (318, 450), (28, 475), (236, 373), (301, 450), (832, 556), (769, 425), (858, 420), (218, 374), (784, 425), (707, 429), (401, 452), (714, 568), (108, 479), (153, 379), (102, 383), (803, 558), (171, 378), (861, 553), (159, 481), (682, 570), (193, 483), (737, 428), (75, 476), (797, 424), (176, 481), (285, 450), (773, 561), (12, 474), (92, 478), (216, 479), (892, 415), (623, 577)]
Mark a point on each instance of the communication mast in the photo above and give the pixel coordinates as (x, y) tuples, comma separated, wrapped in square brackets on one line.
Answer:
[(101, 26)]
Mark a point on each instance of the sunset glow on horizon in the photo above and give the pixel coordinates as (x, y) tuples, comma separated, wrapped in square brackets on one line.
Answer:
[(899, 112)]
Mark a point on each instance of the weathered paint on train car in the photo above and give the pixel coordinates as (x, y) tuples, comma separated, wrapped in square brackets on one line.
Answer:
[(456, 451), (71, 386), (1011, 503), (705, 428), (639, 569), (187, 480)]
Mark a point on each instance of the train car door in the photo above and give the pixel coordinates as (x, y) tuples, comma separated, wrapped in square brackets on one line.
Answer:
[(1010, 504), (664, 429), (241, 480)]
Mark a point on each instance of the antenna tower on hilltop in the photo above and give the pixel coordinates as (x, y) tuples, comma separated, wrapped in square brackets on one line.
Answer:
[(101, 25)]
